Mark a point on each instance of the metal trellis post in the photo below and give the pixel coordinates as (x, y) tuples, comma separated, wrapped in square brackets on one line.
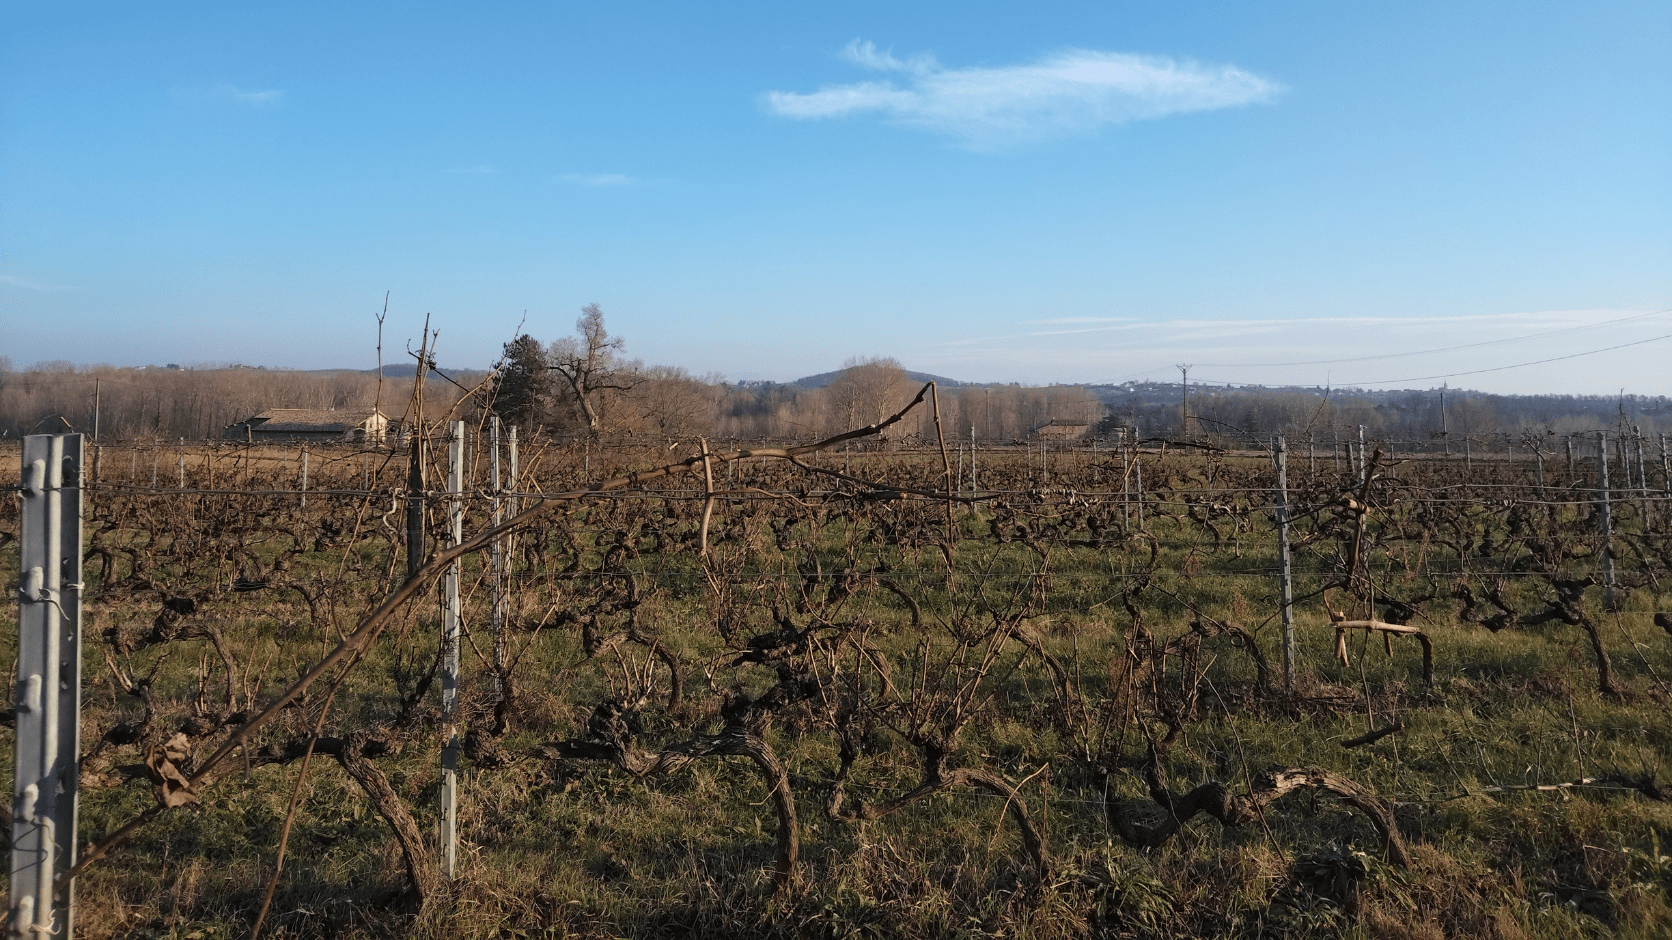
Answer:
[(48, 690)]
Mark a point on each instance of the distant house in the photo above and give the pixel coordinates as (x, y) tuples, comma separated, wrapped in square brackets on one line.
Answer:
[(307, 424), (1061, 429)]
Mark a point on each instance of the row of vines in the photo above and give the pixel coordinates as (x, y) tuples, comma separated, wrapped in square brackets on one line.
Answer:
[(834, 690)]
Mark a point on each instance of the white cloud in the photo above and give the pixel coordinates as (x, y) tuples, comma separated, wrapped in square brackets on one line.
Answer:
[(866, 55), (599, 179), (223, 92), (1071, 92), (29, 283)]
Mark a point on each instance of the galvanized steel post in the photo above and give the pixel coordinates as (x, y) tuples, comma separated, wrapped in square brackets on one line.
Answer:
[(48, 685)]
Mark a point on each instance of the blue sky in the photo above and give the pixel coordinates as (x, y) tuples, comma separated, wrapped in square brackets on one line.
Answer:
[(1001, 192)]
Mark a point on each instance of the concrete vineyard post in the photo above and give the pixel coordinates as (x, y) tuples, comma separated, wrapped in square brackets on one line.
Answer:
[(48, 693)]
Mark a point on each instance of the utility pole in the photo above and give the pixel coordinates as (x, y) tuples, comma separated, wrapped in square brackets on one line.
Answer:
[(1445, 427), (1184, 399)]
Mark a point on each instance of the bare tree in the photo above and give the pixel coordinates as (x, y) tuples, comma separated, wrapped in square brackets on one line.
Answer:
[(867, 389), (589, 365)]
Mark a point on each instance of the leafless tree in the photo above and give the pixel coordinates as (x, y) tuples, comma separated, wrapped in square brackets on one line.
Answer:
[(589, 364), (866, 391)]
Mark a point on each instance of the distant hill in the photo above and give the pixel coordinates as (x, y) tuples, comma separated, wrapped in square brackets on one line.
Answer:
[(825, 378)]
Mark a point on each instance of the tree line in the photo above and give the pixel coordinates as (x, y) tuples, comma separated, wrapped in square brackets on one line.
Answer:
[(584, 386), (1439, 418)]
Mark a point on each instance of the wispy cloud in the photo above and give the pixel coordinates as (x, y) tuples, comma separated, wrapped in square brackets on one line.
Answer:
[(254, 98), (600, 179), (1072, 92), (29, 283), (866, 55)]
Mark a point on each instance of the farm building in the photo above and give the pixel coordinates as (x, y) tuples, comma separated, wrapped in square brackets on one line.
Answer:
[(307, 424), (1061, 429)]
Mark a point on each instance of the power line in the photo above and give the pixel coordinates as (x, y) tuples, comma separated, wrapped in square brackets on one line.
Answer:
[(1441, 349), (1521, 365)]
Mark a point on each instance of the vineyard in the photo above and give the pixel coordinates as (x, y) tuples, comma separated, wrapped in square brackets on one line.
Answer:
[(872, 688)]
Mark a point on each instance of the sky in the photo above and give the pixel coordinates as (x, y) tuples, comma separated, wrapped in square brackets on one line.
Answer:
[(1385, 195)]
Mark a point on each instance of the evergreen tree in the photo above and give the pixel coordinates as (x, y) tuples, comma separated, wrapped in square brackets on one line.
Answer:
[(523, 381)]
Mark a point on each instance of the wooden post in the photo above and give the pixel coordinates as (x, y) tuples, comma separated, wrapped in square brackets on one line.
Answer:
[(1642, 468), (450, 660), (1138, 483), (1605, 517), (303, 502), (497, 562), (1125, 478), (1569, 443), (708, 499), (1286, 587), (415, 474), (1666, 467)]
